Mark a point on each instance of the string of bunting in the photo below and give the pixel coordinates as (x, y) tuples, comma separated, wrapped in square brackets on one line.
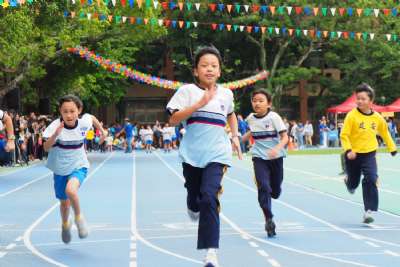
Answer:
[(14, 3), (272, 31), (136, 75), (253, 8)]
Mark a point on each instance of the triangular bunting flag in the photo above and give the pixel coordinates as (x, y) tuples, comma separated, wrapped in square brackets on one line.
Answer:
[(350, 11), (229, 8), (214, 26), (298, 32), (367, 12), (167, 23), (316, 10), (241, 28), (132, 20), (333, 11), (255, 8), (124, 19), (139, 3), (312, 33), (197, 5), (73, 14), (291, 32), (289, 10), (229, 27), (376, 12), (388, 37), (341, 11), (235, 27), (263, 29), (180, 4), (89, 16), (346, 35), (272, 9), (359, 11), (386, 12), (394, 12), (325, 33), (237, 8), (187, 24), (189, 6), (281, 10), (114, 2), (339, 34), (246, 8), (249, 29), (372, 36), (146, 21), (195, 23), (277, 30), (305, 32), (160, 22), (181, 23), (324, 11), (110, 17), (212, 7), (358, 34), (221, 7), (298, 10), (164, 5), (123, 3)]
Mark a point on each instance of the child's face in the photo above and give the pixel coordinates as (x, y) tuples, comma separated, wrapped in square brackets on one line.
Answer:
[(260, 103), (208, 69), (363, 101), (69, 113)]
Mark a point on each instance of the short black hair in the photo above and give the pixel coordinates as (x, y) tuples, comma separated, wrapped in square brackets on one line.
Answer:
[(263, 92), (70, 98), (364, 87), (204, 50)]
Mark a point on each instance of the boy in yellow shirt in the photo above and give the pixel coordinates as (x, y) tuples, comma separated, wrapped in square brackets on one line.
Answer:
[(359, 140)]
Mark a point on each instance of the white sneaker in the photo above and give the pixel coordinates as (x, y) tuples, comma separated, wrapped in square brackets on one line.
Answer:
[(368, 217), (194, 216), (66, 233), (211, 259), (82, 227)]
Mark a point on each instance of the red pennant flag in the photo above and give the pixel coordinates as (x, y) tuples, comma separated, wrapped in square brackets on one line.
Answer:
[(164, 5), (298, 10), (229, 7), (146, 21), (255, 8), (95, 16), (312, 32), (291, 32), (272, 9), (249, 28), (110, 17), (132, 20), (167, 22), (229, 27), (123, 3), (181, 22), (214, 26), (325, 33), (263, 29), (346, 35), (386, 11), (83, 2), (180, 4), (213, 7), (341, 11)]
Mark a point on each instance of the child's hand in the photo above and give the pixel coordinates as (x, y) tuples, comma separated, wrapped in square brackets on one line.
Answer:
[(351, 155), (236, 147), (59, 129), (207, 97), (273, 153), (10, 146)]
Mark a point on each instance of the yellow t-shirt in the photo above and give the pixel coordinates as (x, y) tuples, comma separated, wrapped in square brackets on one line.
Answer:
[(360, 130), (90, 135)]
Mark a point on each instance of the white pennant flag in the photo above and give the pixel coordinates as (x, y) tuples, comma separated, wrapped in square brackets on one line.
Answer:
[(160, 22), (73, 2), (195, 24), (114, 2), (246, 7), (289, 10), (376, 12), (339, 34), (333, 11), (89, 16), (241, 27), (372, 36), (124, 19), (277, 30), (388, 37), (305, 32), (197, 6), (155, 3)]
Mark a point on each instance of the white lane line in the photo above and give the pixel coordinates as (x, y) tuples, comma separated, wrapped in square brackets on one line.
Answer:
[(372, 244), (21, 169), (18, 239), (24, 185), (253, 244), (262, 253), (2, 254), (11, 246), (133, 253), (28, 232), (391, 253), (274, 263), (137, 235)]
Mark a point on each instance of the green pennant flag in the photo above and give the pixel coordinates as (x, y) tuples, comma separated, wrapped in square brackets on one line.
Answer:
[(153, 21), (106, 2), (235, 27), (367, 11), (281, 10), (82, 15), (394, 37), (270, 30), (298, 32), (189, 6), (365, 36), (1, 2), (324, 11), (237, 7), (187, 24), (333, 35), (29, 1), (117, 19), (148, 3)]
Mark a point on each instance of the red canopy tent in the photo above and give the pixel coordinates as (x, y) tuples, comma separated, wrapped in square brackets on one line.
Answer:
[(350, 103), (394, 107)]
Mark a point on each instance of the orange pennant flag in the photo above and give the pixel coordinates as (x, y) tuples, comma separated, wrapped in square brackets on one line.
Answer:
[(263, 29), (358, 35), (272, 9), (291, 32), (181, 22), (325, 33), (139, 3), (229, 27), (180, 4), (145, 21), (312, 32), (229, 7), (72, 14), (316, 9), (132, 20), (110, 17), (249, 28), (98, 2), (359, 11), (95, 16)]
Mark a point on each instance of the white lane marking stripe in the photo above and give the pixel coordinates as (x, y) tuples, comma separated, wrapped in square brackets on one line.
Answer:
[(391, 253), (28, 232), (133, 254), (253, 244), (11, 246), (263, 253), (24, 185), (372, 244), (274, 263)]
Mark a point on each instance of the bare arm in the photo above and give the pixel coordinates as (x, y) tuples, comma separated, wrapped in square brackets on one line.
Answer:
[(246, 136), (10, 133), (233, 124), (49, 143)]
